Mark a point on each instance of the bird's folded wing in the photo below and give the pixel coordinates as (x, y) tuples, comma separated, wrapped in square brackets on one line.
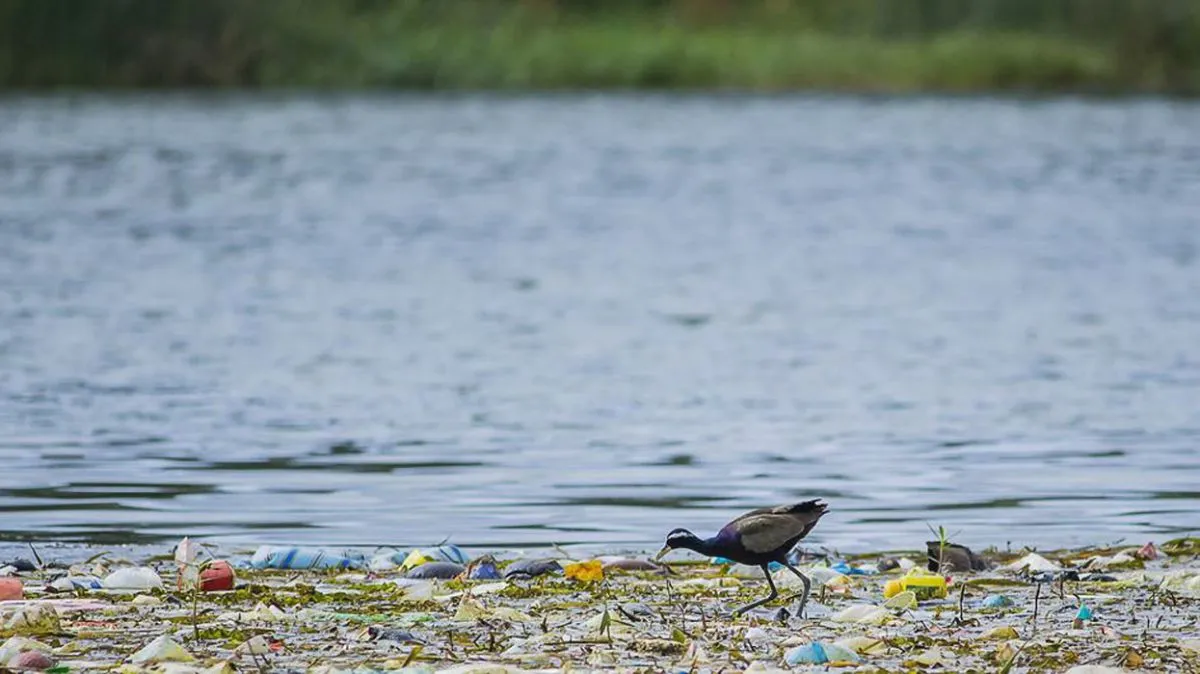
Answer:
[(766, 532)]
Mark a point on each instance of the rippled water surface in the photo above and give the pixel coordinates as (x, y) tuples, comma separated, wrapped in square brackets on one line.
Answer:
[(358, 321)]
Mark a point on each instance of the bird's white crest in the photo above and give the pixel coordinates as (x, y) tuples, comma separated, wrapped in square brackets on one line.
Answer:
[(679, 536)]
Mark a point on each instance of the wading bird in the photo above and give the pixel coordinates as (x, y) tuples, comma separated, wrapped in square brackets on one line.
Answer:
[(757, 538)]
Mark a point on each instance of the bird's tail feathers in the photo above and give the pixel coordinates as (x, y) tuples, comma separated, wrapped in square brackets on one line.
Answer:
[(814, 507)]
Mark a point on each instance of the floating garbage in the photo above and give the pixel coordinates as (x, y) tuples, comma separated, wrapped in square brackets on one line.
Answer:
[(271, 557), (532, 567), (11, 588), (925, 586), (132, 578), (863, 613), (996, 601), (442, 553), (391, 634), (848, 570), (1083, 615), (31, 661), (903, 601), (436, 570), (161, 649), (1032, 563), (33, 620), (483, 570), (217, 576), (1001, 632), (817, 653), (15, 646), (672, 622), (72, 583), (585, 571)]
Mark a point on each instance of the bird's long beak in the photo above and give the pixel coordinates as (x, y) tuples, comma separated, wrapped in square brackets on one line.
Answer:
[(662, 553)]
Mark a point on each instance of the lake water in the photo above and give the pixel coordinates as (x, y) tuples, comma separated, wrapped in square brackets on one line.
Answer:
[(590, 319)]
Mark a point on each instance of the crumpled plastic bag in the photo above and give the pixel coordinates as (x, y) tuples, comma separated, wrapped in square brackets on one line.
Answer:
[(161, 649), (32, 620)]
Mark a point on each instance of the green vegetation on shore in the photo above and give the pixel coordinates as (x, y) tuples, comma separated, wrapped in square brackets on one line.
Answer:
[(1110, 46)]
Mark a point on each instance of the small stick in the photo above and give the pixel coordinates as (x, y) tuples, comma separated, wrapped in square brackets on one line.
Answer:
[(1037, 595), (962, 594)]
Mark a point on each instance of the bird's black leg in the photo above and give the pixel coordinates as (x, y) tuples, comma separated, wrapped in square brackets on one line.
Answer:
[(760, 602), (807, 589)]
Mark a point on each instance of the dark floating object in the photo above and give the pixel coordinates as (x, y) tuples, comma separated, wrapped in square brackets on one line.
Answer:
[(528, 568), (637, 612), (757, 538), (954, 557), (22, 565), (436, 570), (378, 633)]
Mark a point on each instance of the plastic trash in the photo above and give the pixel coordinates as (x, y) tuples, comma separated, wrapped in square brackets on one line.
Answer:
[(436, 570), (529, 568), (132, 578), (386, 561), (16, 645), (637, 611), (817, 653), (1083, 615), (865, 614), (863, 645), (933, 657), (22, 565), (162, 649), (903, 601), (925, 586), (484, 570), (377, 633), (586, 572), (1001, 632), (1032, 563), (72, 583), (28, 661), (268, 557), (442, 553), (1147, 552), (845, 568), (32, 620), (11, 588), (996, 601), (217, 577)]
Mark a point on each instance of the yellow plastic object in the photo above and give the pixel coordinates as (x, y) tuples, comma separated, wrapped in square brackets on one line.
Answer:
[(585, 571), (414, 559), (924, 586)]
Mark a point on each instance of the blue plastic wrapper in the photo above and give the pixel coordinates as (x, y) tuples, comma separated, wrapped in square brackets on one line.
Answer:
[(847, 570), (1084, 613), (269, 557), (485, 571), (996, 601)]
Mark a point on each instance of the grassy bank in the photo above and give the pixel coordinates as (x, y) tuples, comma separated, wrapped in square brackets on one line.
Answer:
[(769, 45)]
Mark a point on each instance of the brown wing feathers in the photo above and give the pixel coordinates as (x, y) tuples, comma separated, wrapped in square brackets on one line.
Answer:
[(767, 529)]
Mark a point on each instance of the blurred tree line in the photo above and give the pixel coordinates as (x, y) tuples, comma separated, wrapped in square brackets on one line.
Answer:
[(198, 43)]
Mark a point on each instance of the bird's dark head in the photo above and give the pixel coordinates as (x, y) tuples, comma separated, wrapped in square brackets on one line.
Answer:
[(678, 538)]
